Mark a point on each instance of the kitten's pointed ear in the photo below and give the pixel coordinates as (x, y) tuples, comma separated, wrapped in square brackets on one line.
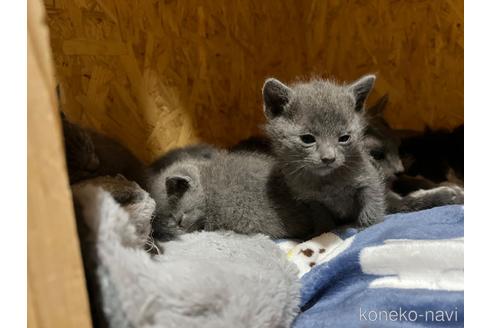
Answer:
[(177, 184), (361, 89), (275, 96)]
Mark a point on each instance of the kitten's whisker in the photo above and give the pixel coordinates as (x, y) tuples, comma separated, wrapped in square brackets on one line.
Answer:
[(298, 170)]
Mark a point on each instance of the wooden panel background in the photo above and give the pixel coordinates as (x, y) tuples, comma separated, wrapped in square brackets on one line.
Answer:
[(156, 74), (57, 295)]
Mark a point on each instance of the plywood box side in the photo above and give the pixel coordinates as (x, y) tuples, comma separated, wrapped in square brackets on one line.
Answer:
[(159, 74), (57, 295)]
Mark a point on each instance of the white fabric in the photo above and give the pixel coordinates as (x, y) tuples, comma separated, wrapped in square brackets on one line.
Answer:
[(429, 264)]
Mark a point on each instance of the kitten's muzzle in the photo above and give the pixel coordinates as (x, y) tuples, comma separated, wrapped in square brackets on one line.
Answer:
[(324, 169), (328, 160)]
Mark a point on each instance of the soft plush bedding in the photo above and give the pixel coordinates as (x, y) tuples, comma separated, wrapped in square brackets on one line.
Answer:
[(404, 272), (204, 279)]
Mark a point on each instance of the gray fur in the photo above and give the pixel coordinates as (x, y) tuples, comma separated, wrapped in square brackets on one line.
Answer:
[(165, 229), (237, 191), (259, 144), (197, 152), (425, 199), (325, 169), (207, 279)]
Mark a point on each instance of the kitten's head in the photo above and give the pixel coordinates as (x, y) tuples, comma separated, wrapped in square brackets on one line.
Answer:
[(180, 197), (316, 126), (382, 142)]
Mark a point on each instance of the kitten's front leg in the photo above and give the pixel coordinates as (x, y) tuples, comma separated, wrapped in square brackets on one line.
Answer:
[(322, 220), (372, 205), (425, 199)]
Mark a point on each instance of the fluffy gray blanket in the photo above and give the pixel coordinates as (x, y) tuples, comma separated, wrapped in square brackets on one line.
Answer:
[(204, 279)]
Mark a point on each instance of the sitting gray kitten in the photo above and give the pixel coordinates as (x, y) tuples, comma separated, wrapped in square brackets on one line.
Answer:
[(317, 133), (237, 191), (382, 143)]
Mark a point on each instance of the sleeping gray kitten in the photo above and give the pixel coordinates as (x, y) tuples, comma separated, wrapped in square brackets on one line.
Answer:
[(233, 191), (382, 143), (317, 133), (164, 229)]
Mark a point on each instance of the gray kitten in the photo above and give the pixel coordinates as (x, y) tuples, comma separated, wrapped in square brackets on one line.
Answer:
[(382, 143), (237, 191), (317, 133)]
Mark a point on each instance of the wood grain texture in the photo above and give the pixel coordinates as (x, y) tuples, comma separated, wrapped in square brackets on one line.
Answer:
[(156, 74), (57, 295)]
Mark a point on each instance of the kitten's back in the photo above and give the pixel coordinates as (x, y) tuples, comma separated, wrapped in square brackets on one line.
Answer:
[(198, 151), (260, 144), (245, 195)]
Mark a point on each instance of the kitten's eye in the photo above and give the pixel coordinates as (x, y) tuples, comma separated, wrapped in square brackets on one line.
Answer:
[(377, 154), (344, 138), (308, 139)]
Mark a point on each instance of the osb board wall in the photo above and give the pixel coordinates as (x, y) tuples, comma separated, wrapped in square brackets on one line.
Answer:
[(57, 296), (157, 74)]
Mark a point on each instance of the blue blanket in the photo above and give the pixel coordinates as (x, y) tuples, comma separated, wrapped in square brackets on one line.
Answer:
[(404, 272)]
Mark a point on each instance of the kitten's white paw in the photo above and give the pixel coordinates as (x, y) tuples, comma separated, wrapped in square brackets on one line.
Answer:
[(453, 194), (444, 195)]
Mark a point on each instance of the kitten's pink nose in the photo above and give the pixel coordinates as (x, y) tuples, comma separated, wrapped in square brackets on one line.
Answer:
[(328, 160)]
